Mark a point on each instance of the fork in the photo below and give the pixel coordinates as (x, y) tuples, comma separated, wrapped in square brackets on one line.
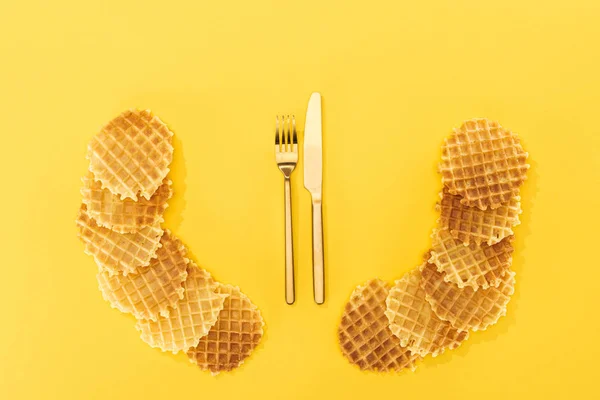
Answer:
[(286, 156)]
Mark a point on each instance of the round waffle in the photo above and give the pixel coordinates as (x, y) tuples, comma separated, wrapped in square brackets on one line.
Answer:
[(483, 163), (118, 253), (472, 225), (413, 321), (364, 335), (192, 318), (476, 266), (124, 216), (131, 154), (466, 309), (234, 336), (153, 290)]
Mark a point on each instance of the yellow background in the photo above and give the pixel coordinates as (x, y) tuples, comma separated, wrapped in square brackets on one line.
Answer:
[(395, 78)]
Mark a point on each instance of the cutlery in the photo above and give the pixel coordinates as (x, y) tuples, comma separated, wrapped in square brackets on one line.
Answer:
[(286, 155), (313, 182)]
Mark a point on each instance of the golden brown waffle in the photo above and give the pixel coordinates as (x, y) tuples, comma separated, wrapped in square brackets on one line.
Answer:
[(151, 290), (192, 318), (412, 320), (131, 154), (483, 163), (230, 341), (472, 225), (124, 216), (476, 266), (364, 335), (465, 308), (118, 253)]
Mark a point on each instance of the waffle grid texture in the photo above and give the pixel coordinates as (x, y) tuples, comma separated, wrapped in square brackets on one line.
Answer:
[(472, 225), (191, 319), (237, 332), (483, 163), (124, 216), (466, 309), (118, 253), (131, 154), (412, 320), (474, 266), (150, 291), (364, 336)]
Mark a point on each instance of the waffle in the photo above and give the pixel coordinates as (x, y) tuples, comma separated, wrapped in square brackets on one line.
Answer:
[(412, 320), (131, 154), (153, 290), (473, 266), (192, 318), (118, 253), (364, 335), (124, 216), (472, 225), (230, 341), (465, 308), (483, 163)]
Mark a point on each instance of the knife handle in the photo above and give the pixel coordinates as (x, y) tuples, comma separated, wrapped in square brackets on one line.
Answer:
[(318, 253), (290, 295)]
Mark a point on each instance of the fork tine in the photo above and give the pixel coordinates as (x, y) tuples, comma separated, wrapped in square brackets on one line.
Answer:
[(295, 140), (290, 134), (277, 143), (287, 133), (283, 138)]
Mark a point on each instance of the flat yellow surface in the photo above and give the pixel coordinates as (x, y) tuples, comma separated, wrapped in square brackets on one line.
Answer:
[(395, 78)]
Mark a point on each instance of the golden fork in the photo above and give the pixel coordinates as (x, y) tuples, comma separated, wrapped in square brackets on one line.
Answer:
[(286, 155)]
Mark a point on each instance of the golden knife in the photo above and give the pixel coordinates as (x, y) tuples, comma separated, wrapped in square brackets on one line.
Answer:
[(313, 182)]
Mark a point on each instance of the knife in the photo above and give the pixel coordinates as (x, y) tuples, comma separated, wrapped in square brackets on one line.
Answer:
[(313, 182)]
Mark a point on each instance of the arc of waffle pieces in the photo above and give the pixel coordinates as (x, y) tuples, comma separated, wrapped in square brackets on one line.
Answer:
[(118, 253), (131, 154), (466, 309), (192, 318), (465, 282), (413, 321), (476, 266), (150, 291), (364, 336), (146, 272), (124, 216), (483, 163), (237, 332)]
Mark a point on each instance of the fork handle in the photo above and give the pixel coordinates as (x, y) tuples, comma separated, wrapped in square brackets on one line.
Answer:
[(290, 295), (318, 253)]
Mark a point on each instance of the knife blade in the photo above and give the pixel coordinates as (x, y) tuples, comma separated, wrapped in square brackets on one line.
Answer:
[(313, 182), (313, 146)]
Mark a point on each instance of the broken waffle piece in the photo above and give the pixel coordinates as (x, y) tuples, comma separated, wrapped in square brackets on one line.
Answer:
[(237, 332), (414, 323), (364, 334), (466, 309)]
